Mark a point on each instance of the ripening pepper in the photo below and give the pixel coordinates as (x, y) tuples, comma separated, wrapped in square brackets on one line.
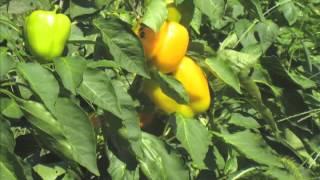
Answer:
[(46, 33), (195, 83), (167, 47)]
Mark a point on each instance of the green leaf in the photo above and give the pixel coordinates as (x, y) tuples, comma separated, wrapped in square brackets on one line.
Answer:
[(288, 173), (289, 10), (7, 140), (231, 163), (18, 7), (6, 63), (74, 120), (301, 80), (42, 82), (260, 75), (49, 172), (97, 88), (237, 8), (118, 169), (10, 108), (196, 20), (70, 70), (125, 127), (11, 166), (294, 141), (258, 7), (81, 7), (229, 42), (194, 137), (102, 64), (238, 61), (214, 9), (244, 121), (267, 30), (155, 14), (252, 146), (158, 162), (221, 69), (245, 32), (129, 115), (124, 46), (61, 134), (172, 87)]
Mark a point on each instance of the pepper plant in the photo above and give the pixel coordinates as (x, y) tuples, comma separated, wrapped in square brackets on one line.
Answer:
[(73, 102)]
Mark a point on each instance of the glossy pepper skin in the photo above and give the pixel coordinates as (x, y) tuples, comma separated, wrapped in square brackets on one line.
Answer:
[(195, 83), (46, 33), (167, 47)]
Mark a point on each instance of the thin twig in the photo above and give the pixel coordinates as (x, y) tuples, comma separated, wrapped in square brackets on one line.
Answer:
[(300, 114)]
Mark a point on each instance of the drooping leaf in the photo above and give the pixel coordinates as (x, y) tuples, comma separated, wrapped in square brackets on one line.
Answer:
[(61, 134)]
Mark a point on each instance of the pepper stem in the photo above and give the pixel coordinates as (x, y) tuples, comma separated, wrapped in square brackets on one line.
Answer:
[(56, 8)]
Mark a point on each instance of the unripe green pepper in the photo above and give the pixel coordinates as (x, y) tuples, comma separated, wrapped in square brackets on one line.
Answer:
[(46, 33)]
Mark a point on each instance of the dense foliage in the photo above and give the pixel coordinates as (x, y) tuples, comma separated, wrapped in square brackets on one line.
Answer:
[(77, 117)]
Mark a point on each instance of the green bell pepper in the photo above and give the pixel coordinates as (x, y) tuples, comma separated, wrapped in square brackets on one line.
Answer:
[(46, 33)]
